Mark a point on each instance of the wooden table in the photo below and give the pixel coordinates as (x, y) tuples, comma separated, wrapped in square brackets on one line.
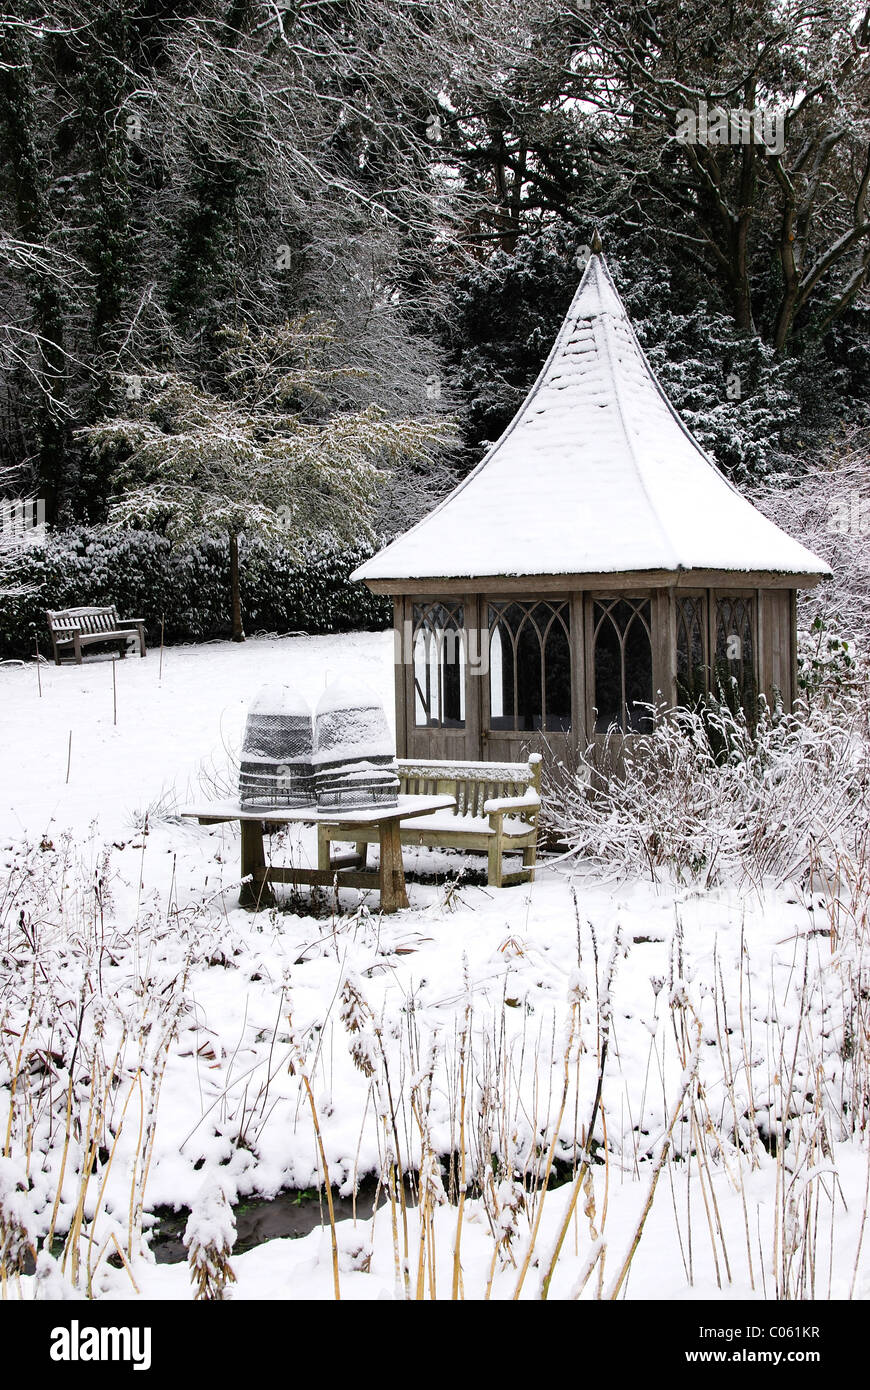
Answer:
[(348, 870)]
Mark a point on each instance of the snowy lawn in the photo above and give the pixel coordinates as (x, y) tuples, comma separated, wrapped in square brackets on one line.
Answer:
[(715, 1044)]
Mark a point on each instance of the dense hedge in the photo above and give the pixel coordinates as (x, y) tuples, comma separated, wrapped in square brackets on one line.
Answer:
[(187, 586)]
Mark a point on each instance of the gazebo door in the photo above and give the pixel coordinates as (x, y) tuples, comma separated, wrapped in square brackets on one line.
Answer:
[(436, 696), (527, 692)]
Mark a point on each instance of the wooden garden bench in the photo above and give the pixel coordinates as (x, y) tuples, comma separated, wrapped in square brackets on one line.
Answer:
[(74, 628), (496, 812)]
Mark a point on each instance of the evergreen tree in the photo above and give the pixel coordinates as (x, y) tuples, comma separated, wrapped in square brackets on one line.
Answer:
[(272, 459)]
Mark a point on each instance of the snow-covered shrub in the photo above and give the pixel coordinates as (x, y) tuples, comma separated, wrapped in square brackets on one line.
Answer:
[(825, 661), (210, 1235), (13, 564), (827, 508), (314, 594), (81, 1048), (15, 1238), (738, 399), (705, 798), (184, 586)]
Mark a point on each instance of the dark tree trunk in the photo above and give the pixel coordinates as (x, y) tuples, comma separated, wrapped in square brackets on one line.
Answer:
[(743, 315), (235, 591)]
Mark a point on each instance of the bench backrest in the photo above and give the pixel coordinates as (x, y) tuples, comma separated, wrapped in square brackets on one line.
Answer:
[(472, 784), (87, 621)]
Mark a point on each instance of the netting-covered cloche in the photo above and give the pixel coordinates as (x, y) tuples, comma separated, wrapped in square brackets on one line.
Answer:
[(276, 765), (354, 752)]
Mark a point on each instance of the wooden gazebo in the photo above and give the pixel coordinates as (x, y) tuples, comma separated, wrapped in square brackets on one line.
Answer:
[(595, 562)]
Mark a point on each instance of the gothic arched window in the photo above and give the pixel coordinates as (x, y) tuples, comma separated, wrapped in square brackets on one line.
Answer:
[(692, 664), (735, 653), (623, 664), (530, 666), (438, 645)]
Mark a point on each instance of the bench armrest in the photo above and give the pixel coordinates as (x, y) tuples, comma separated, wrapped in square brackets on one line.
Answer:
[(499, 805)]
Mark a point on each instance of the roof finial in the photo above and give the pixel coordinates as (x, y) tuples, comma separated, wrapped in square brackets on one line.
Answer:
[(595, 244)]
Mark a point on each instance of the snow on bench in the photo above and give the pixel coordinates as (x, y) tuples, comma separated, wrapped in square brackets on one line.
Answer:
[(497, 807)]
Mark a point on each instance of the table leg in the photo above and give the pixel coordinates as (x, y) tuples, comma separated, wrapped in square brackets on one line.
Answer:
[(392, 870), (324, 852), (257, 893)]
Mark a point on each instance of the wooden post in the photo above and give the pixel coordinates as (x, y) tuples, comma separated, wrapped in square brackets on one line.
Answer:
[(494, 858), (391, 872), (578, 737), (257, 893), (663, 622), (792, 647), (530, 855), (763, 653), (323, 848), (404, 713)]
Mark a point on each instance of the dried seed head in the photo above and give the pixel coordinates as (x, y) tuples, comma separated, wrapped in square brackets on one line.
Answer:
[(355, 1012), (430, 1181), (364, 1053)]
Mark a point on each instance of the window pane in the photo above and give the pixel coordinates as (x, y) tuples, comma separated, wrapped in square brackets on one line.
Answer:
[(422, 680), (496, 675), (529, 697), (735, 657), (638, 675), (530, 652), (439, 666), (453, 691), (608, 673), (691, 663), (557, 677), (623, 664), (503, 621)]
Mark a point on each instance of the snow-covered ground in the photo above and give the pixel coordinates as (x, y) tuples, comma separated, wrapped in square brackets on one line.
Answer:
[(171, 726), (119, 926)]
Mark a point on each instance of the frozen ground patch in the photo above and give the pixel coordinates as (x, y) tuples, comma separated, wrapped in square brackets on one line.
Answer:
[(695, 1062)]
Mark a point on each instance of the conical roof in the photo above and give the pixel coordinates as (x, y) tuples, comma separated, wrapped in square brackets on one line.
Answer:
[(596, 474)]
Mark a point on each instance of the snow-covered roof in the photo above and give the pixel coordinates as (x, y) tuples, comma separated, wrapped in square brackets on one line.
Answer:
[(595, 474)]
